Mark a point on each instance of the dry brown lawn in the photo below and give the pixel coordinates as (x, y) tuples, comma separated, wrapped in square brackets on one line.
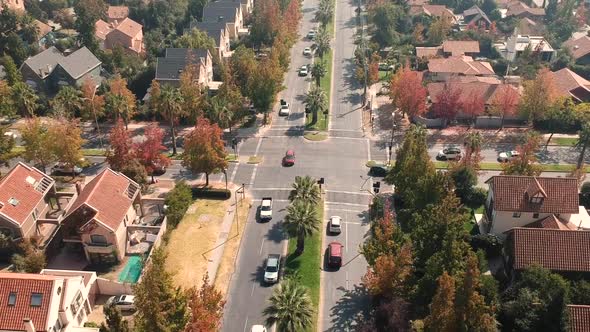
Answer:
[(195, 235), (226, 267)]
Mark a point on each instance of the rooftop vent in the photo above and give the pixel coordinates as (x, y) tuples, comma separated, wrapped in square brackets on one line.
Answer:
[(30, 180), (13, 201)]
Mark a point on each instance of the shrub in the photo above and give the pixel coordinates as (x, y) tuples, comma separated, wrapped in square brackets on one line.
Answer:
[(585, 194), (476, 198), (211, 193), (490, 243), (177, 202)]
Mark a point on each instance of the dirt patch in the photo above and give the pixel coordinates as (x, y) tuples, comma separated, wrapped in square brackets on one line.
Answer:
[(195, 235), (227, 265)]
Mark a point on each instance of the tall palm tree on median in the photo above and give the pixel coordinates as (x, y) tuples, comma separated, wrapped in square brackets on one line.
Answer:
[(316, 101), (290, 307), (322, 42), (318, 70), (305, 189), (301, 221), (171, 108)]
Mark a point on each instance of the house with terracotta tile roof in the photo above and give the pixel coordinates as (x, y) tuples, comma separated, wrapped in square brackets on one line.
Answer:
[(571, 85), (127, 34), (579, 316), (30, 205), (51, 301), (16, 5), (98, 219), (434, 11), (116, 14), (444, 69), (521, 10), (580, 49), (558, 250), (460, 47), (528, 201)]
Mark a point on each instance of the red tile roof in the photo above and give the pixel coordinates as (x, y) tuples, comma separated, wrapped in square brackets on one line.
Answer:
[(428, 52), (509, 194), (129, 27), (102, 29), (552, 222), (107, 194), (42, 28), (18, 196), (460, 47), (460, 65), (579, 47), (579, 318), (25, 284), (570, 84), (468, 88), (117, 12), (553, 249), (517, 8)]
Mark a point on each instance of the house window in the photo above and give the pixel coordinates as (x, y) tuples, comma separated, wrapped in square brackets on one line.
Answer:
[(12, 298), (536, 200), (535, 215), (516, 215), (98, 239), (36, 299), (77, 303)]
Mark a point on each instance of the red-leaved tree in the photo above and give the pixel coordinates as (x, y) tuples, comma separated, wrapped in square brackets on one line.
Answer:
[(150, 152), (505, 102), (119, 153), (407, 92), (447, 102), (203, 149), (206, 308), (473, 105)]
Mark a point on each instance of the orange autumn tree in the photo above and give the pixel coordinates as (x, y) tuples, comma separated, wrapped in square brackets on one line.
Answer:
[(538, 96), (150, 152), (206, 308), (407, 92), (442, 309), (525, 163), (473, 105), (119, 152), (446, 103), (93, 106), (505, 101), (204, 150)]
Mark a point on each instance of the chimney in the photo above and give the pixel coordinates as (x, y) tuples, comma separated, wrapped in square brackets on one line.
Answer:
[(79, 187), (220, 19), (29, 327)]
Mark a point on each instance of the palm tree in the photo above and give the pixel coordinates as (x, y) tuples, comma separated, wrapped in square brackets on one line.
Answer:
[(25, 98), (117, 106), (301, 221), (318, 70), (473, 142), (316, 101), (325, 12), (290, 307), (305, 189), (583, 143), (220, 113), (171, 106), (67, 103), (322, 42)]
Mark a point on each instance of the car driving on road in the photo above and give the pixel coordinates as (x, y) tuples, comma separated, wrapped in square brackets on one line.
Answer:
[(335, 254), (303, 71), (307, 51), (334, 225), (284, 110), (271, 270), (63, 168), (311, 34), (450, 153), (289, 158), (507, 156)]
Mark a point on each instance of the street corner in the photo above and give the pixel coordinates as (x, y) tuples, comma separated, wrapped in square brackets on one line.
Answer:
[(315, 136)]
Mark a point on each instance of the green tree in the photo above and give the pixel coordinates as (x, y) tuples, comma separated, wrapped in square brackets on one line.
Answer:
[(177, 202), (301, 221), (171, 108), (322, 42), (290, 307), (265, 84), (316, 101), (580, 292), (325, 12), (464, 178), (6, 147), (67, 103), (135, 170), (37, 141), (525, 163), (538, 96), (318, 71), (114, 320), (305, 189), (160, 306), (243, 66), (204, 150), (13, 75), (87, 13), (25, 99), (583, 143), (439, 29), (6, 100), (560, 115)]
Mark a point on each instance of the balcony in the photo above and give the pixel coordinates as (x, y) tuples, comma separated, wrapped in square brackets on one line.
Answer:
[(99, 248)]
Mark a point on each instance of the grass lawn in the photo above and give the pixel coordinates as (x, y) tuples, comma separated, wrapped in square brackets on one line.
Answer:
[(564, 141), (187, 258), (315, 136), (308, 263), (85, 152), (254, 160), (498, 167)]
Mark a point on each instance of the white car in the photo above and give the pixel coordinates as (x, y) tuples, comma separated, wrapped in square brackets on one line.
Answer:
[(123, 302), (258, 328), (311, 34), (271, 270), (284, 110), (303, 71), (63, 168), (307, 51), (451, 153), (507, 156), (335, 225)]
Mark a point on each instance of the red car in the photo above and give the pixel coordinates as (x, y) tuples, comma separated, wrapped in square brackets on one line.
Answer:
[(289, 158), (335, 254)]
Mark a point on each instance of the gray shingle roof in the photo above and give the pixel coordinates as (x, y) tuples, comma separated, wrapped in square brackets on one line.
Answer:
[(212, 29), (224, 4), (216, 14), (171, 66), (79, 62), (45, 62)]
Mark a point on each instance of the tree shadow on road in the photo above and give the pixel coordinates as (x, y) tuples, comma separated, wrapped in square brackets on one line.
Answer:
[(350, 310)]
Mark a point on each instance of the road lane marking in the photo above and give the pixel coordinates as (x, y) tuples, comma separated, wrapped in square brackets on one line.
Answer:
[(347, 204), (347, 192), (368, 149), (351, 211), (261, 246), (246, 324), (252, 291), (346, 235), (253, 176)]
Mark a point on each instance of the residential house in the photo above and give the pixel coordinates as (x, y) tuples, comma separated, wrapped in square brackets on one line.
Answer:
[(434, 11), (446, 68), (449, 48), (517, 201), (580, 49), (579, 316), (518, 44), (52, 301), (230, 15), (116, 14), (170, 67), (127, 34), (16, 5), (569, 84), (99, 217), (528, 27), (475, 17), (50, 69), (562, 251), (243, 5), (429, 52), (44, 33), (30, 205), (219, 32), (521, 10), (486, 87)]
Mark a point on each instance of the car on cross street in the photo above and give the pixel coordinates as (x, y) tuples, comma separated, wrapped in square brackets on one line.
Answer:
[(289, 158), (450, 153), (507, 156)]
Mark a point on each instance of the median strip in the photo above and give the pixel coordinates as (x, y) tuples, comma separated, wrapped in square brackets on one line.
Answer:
[(489, 166)]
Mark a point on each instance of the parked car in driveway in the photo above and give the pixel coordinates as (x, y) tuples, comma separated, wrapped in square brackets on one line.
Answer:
[(307, 51), (271, 270), (335, 224), (123, 302), (507, 156), (450, 153), (303, 71), (335, 254), (289, 158)]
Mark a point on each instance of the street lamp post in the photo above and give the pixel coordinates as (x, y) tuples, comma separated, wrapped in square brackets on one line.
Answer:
[(394, 125), (95, 117)]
